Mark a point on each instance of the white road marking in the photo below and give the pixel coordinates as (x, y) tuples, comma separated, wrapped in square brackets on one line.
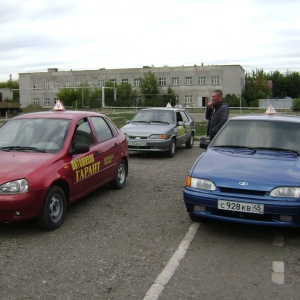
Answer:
[(169, 270), (278, 272)]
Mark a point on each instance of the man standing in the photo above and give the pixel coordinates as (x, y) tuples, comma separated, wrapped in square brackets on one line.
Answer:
[(216, 113)]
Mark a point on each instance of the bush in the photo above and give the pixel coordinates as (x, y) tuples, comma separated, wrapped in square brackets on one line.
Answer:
[(296, 104)]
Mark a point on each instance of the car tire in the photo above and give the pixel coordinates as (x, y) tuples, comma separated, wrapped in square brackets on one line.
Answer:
[(195, 218), (54, 209), (190, 142), (120, 178), (172, 148)]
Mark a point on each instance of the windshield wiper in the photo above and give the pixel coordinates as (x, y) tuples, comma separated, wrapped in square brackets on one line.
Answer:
[(141, 122), (278, 149), (21, 148), (162, 122), (234, 146)]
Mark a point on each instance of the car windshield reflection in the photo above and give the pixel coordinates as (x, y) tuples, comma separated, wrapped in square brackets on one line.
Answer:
[(36, 135), (257, 134), (155, 116)]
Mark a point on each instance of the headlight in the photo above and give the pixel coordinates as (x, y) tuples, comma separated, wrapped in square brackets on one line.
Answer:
[(14, 187), (158, 136), (199, 183), (291, 192), (126, 135)]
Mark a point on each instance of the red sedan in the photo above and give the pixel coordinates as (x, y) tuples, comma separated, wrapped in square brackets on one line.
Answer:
[(51, 159)]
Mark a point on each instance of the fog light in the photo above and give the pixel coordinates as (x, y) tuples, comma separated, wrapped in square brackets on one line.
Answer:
[(199, 208), (17, 213), (284, 218)]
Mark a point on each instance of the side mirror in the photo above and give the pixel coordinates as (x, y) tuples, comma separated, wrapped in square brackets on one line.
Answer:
[(79, 148), (204, 142), (127, 121), (180, 123)]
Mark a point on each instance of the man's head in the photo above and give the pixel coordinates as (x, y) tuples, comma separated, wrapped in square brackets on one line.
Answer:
[(216, 96)]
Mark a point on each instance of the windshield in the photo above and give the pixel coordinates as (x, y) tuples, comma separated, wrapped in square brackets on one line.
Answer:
[(38, 135), (259, 134), (159, 116)]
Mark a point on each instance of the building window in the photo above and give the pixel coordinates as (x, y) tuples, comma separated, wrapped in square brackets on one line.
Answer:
[(46, 85), (175, 80), (215, 80), (101, 82), (35, 85), (136, 82), (124, 81), (113, 80), (201, 80), (90, 83), (55, 99), (47, 101), (188, 99), (78, 82), (36, 101), (56, 85), (188, 80), (67, 83), (162, 81)]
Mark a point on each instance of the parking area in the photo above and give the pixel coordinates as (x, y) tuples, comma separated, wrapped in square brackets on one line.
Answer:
[(114, 244)]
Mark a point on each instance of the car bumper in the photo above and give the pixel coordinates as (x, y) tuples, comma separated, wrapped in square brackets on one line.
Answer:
[(149, 145), (22, 206), (276, 213)]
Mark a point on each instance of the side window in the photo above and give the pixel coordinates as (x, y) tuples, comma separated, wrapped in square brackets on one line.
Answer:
[(112, 126), (103, 131), (83, 133), (184, 117), (188, 116), (179, 117)]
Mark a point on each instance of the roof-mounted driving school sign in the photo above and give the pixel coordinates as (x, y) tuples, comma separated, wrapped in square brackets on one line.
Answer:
[(58, 106), (271, 110)]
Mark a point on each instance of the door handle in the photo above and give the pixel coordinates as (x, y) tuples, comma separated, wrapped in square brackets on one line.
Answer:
[(97, 153)]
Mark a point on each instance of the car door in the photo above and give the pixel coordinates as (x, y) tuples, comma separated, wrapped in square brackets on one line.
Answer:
[(108, 147), (85, 167), (188, 124), (181, 133)]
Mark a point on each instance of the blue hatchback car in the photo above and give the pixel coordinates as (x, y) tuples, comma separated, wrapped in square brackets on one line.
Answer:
[(249, 173)]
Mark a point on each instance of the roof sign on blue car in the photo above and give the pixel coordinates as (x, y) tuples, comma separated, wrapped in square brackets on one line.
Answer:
[(271, 110)]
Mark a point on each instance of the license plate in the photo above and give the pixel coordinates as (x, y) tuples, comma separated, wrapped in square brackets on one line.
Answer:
[(241, 206), (136, 143)]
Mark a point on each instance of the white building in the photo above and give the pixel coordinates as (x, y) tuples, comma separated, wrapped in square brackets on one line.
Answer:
[(192, 85)]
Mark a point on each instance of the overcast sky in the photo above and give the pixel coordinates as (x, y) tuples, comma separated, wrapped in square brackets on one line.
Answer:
[(92, 34)]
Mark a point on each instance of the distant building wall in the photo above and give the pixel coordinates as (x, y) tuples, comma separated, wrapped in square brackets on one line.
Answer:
[(277, 103), (192, 85)]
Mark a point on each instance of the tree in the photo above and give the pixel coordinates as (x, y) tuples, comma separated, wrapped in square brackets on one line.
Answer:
[(13, 85), (169, 97), (125, 95), (77, 98), (256, 87), (235, 101), (149, 89), (293, 84)]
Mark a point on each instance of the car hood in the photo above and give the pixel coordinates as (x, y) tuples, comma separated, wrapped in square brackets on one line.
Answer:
[(258, 172), (17, 165), (146, 129)]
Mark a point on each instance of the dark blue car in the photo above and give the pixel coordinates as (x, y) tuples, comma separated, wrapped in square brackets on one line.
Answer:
[(249, 173)]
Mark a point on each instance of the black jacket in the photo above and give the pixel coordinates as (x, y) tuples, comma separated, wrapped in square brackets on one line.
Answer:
[(217, 117)]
